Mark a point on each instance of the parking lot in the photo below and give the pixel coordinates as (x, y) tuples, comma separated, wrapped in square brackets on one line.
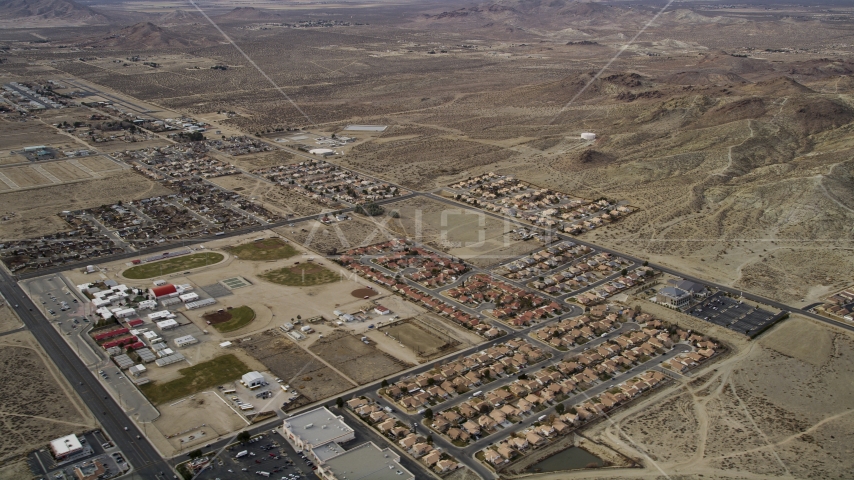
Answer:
[(112, 460), (270, 454), (734, 314)]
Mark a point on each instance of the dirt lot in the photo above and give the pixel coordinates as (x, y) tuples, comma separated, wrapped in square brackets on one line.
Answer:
[(363, 363), (25, 176), (264, 160), (17, 135), (338, 236), (418, 338), (314, 380), (8, 319), (467, 233), (99, 164), (37, 209), (775, 407), (181, 420), (65, 171), (275, 198), (43, 405)]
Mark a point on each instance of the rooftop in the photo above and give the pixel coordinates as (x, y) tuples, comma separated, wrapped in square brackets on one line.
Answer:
[(65, 445), (368, 462), (317, 426), (672, 292)]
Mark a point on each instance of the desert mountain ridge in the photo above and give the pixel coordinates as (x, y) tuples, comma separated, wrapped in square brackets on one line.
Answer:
[(47, 12), (146, 35)]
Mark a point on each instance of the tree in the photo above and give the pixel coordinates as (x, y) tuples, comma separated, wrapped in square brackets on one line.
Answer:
[(430, 439), (645, 263), (339, 402), (243, 436), (523, 377), (384, 383), (428, 414), (560, 408), (623, 271), (195, 454)]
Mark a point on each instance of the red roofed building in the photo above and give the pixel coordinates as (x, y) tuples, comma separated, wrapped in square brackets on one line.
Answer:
[(162, 291)]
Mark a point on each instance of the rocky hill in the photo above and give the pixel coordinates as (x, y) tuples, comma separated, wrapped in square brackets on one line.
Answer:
[(146, 36), (48, 13)]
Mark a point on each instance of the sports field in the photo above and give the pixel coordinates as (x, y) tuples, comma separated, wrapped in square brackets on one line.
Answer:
[(231, 320), (306, 275), (172, 265), (266, 249)]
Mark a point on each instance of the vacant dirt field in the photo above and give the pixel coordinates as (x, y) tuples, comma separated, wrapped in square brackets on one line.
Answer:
[(363, 363), (42, 406), (264, 160), (25, 176), (314, 380), (65, 171), (271, 196), (8, 319), (204, 408), (464, 232), (18, 135), (770, 408), (339, 236), (37, 209), (99, 163), (417, 338)]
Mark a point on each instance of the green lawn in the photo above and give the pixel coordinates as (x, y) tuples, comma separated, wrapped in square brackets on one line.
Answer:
[(195, 379), (305, 275), (172, 265), (267, 249), (240, 317)]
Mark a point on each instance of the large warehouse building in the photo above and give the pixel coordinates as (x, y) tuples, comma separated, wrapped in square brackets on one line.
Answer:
[(164, 291), (365, 461), (316, 428)]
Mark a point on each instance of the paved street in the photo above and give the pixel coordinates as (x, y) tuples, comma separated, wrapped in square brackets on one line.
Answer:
[(104, 402), (143, 457)]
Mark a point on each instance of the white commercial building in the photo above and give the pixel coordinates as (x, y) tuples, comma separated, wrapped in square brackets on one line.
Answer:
[(365, 461), (316, 428), (124, 312), (161, 315), (185, 340), (167, 324), (252, 380), (147, 305), (65, 446), (189, 297), (200, 303)]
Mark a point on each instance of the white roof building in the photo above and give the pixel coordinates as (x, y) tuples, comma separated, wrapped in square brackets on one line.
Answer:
[(252, 379), (366, 461), (316, 428), (147, 305), (167, 324), (65, 446), (189, 297)]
